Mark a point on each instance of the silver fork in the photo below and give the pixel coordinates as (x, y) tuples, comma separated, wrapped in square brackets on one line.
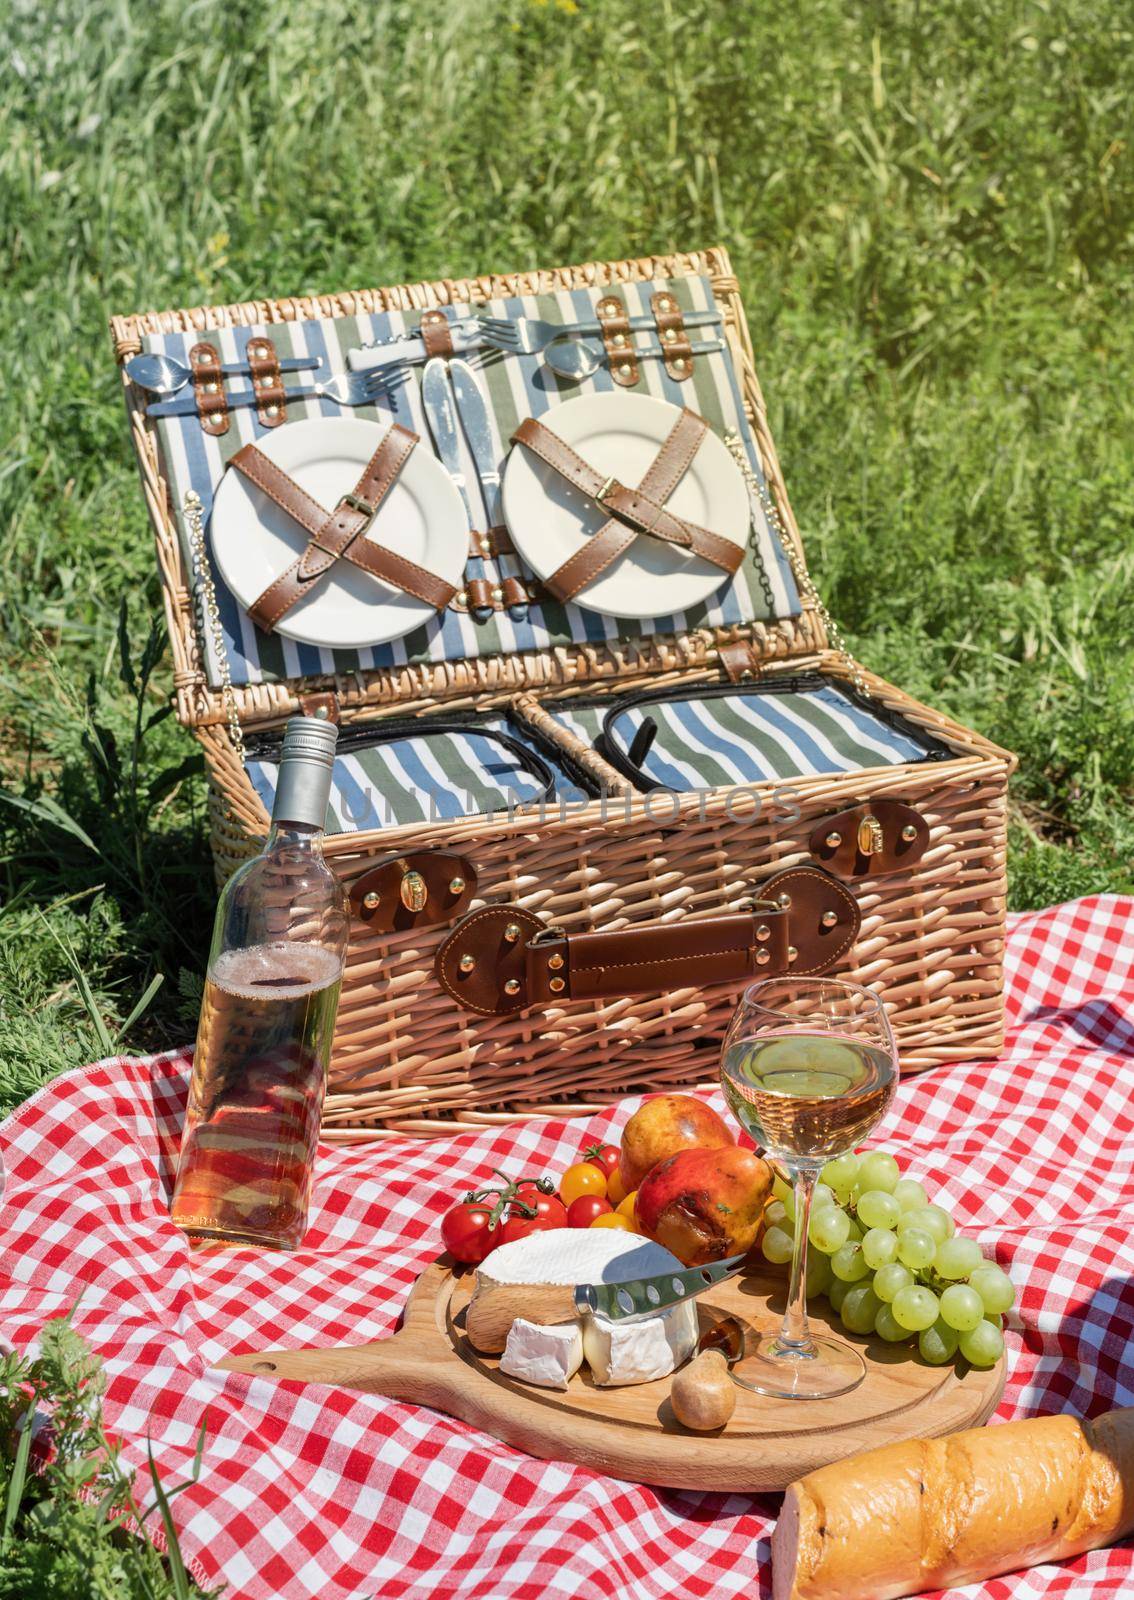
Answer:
[(527, 336), (345, 389)]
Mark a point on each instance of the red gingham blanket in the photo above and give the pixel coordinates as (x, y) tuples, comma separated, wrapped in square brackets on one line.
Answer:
[(309, 1492)]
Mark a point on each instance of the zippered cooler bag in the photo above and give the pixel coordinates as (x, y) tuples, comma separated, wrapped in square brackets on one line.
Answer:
[(570, 839)]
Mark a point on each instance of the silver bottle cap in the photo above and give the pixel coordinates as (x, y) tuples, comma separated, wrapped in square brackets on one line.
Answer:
[(303, 784)]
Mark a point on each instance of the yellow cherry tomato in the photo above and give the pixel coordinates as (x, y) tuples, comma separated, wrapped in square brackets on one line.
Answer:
[(614, 1219), (582, 1178), (615, 1189), (626, 1206)]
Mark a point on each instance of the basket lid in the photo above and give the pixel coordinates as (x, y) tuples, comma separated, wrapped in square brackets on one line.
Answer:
[(767, 611)]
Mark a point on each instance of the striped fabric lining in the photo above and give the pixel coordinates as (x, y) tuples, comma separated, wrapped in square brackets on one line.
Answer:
[(423, 779), (516, 386), (714, 742)]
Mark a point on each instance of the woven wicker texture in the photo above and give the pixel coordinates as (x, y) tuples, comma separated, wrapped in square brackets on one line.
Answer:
[(406, 1060)]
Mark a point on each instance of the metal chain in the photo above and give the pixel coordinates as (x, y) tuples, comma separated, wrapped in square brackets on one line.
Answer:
[(193, 513), (807, 590)]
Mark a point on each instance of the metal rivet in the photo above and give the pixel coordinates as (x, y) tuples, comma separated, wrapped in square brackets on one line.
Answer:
[(784, 901), (321, 714), (498, 594), (486, 547), (207, 358), (625, 370), (372, 900), (909, 833), (619, 339), (606, 311), (681, 363), (669, 335), (792, 953), (747, 675), (461, 599), (557, 985), (833, 841), (272, 411), (512, 986), (467, 963), (555, 962), (763, 931), (763, 957), (666, 303), (456, 886), (414, 891), (212, 388), (829, 919), (512, 932)]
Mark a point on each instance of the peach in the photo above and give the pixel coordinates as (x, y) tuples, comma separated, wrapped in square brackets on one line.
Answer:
[(663, 1125), (705, 1204)]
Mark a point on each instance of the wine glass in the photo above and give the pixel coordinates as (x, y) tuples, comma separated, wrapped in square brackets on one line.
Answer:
[(808, 1067)]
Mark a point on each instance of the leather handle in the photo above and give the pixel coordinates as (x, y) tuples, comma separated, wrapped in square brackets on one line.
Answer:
[(500, 959)]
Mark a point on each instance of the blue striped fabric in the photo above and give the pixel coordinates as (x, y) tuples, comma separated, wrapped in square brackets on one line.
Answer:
[(750, 736), (427, 778), (516, 386)]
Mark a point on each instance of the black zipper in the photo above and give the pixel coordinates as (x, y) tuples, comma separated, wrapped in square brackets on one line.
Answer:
[(606, 746), (364, 736)]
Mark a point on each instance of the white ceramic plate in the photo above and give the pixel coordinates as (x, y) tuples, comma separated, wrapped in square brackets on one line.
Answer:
[(422, 518), (620, 434)]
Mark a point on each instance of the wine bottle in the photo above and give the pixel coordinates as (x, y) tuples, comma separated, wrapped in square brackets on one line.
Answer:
[(268, 1015)]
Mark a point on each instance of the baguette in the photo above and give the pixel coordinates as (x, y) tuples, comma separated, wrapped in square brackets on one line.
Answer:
[(934, 1513)]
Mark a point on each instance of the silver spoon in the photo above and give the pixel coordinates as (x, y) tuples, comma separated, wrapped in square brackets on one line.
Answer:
[(165, 374), (577, 358)]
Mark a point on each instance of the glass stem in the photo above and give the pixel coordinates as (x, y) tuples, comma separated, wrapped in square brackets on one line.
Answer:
[(795, 1333)]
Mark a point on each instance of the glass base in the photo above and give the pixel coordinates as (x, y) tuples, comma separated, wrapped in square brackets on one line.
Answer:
[(828, 1367)]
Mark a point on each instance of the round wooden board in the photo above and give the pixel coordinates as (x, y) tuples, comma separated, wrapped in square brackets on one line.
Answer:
[(631, 1432)]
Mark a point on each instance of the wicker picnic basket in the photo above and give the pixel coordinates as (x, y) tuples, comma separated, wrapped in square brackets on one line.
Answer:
[(928, 927)]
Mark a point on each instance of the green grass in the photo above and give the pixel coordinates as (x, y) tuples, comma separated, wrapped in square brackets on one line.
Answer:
[(929, 206)]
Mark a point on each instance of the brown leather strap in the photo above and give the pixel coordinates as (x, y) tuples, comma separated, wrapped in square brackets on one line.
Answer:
[(264, 366), (618, 339), (678, 356), (491, 542), (479, 594), (635, 511), (339, 534), (208, 388), (501, 957), (435, 335)]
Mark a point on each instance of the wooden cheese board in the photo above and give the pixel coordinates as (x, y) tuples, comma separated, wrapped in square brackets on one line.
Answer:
[(631, 1432)]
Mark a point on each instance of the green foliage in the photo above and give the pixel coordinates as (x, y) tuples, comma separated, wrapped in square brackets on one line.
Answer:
[(69, 1521), (929, 207)]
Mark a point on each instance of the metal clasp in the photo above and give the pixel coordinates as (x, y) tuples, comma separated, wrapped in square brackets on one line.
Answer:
[(605, 489), (363, 507)]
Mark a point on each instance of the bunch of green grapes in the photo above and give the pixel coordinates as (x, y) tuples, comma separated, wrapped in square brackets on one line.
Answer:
[(893, 1264)]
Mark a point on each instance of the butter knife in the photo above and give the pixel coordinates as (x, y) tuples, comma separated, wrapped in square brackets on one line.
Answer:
[(473, 411), (441, 414)]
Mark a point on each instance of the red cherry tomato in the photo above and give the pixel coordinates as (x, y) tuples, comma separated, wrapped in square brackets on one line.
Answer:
[(583, 1211), (519, 1227), (465, 1232), (603, 1156), (547, 1206)]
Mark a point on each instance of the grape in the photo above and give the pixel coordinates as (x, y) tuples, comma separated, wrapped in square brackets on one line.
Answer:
[(915, 1308), (994, 1286), (788, 1203), (909, 1194), (888, 1280), (781, 1188), (824, 1196), (877, 1209), (983, 1345), (916, 1248), (938, 1344), (886, 1328), (961, 1307), (847, 1263), (840, 1174), (829, 1229), (775, 1215), (879, 1248), (856, 1231), (837, 1292), (859, 1309), (930, 1219), (956, 1258), (818, 1273), (878, 1171), (777, 1246)]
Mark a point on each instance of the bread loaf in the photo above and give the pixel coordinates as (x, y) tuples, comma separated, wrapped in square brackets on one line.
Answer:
[(934, 1513)]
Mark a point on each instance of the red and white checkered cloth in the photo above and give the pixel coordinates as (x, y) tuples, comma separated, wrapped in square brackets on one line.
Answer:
[(310, 1492)]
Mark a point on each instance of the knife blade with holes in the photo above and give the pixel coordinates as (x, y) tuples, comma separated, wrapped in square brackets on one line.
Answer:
[(645, 1297)]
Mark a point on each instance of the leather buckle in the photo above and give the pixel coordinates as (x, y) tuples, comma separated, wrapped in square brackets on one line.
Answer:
[(363, 507), (605, 489)]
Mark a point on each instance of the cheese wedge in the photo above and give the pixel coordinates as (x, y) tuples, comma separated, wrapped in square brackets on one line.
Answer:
[(617, 1352)]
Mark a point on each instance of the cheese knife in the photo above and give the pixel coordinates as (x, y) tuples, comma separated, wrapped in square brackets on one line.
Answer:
[(495, 1306)]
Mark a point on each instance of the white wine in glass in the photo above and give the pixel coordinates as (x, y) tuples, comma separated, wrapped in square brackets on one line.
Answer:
[(808, 1068)]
